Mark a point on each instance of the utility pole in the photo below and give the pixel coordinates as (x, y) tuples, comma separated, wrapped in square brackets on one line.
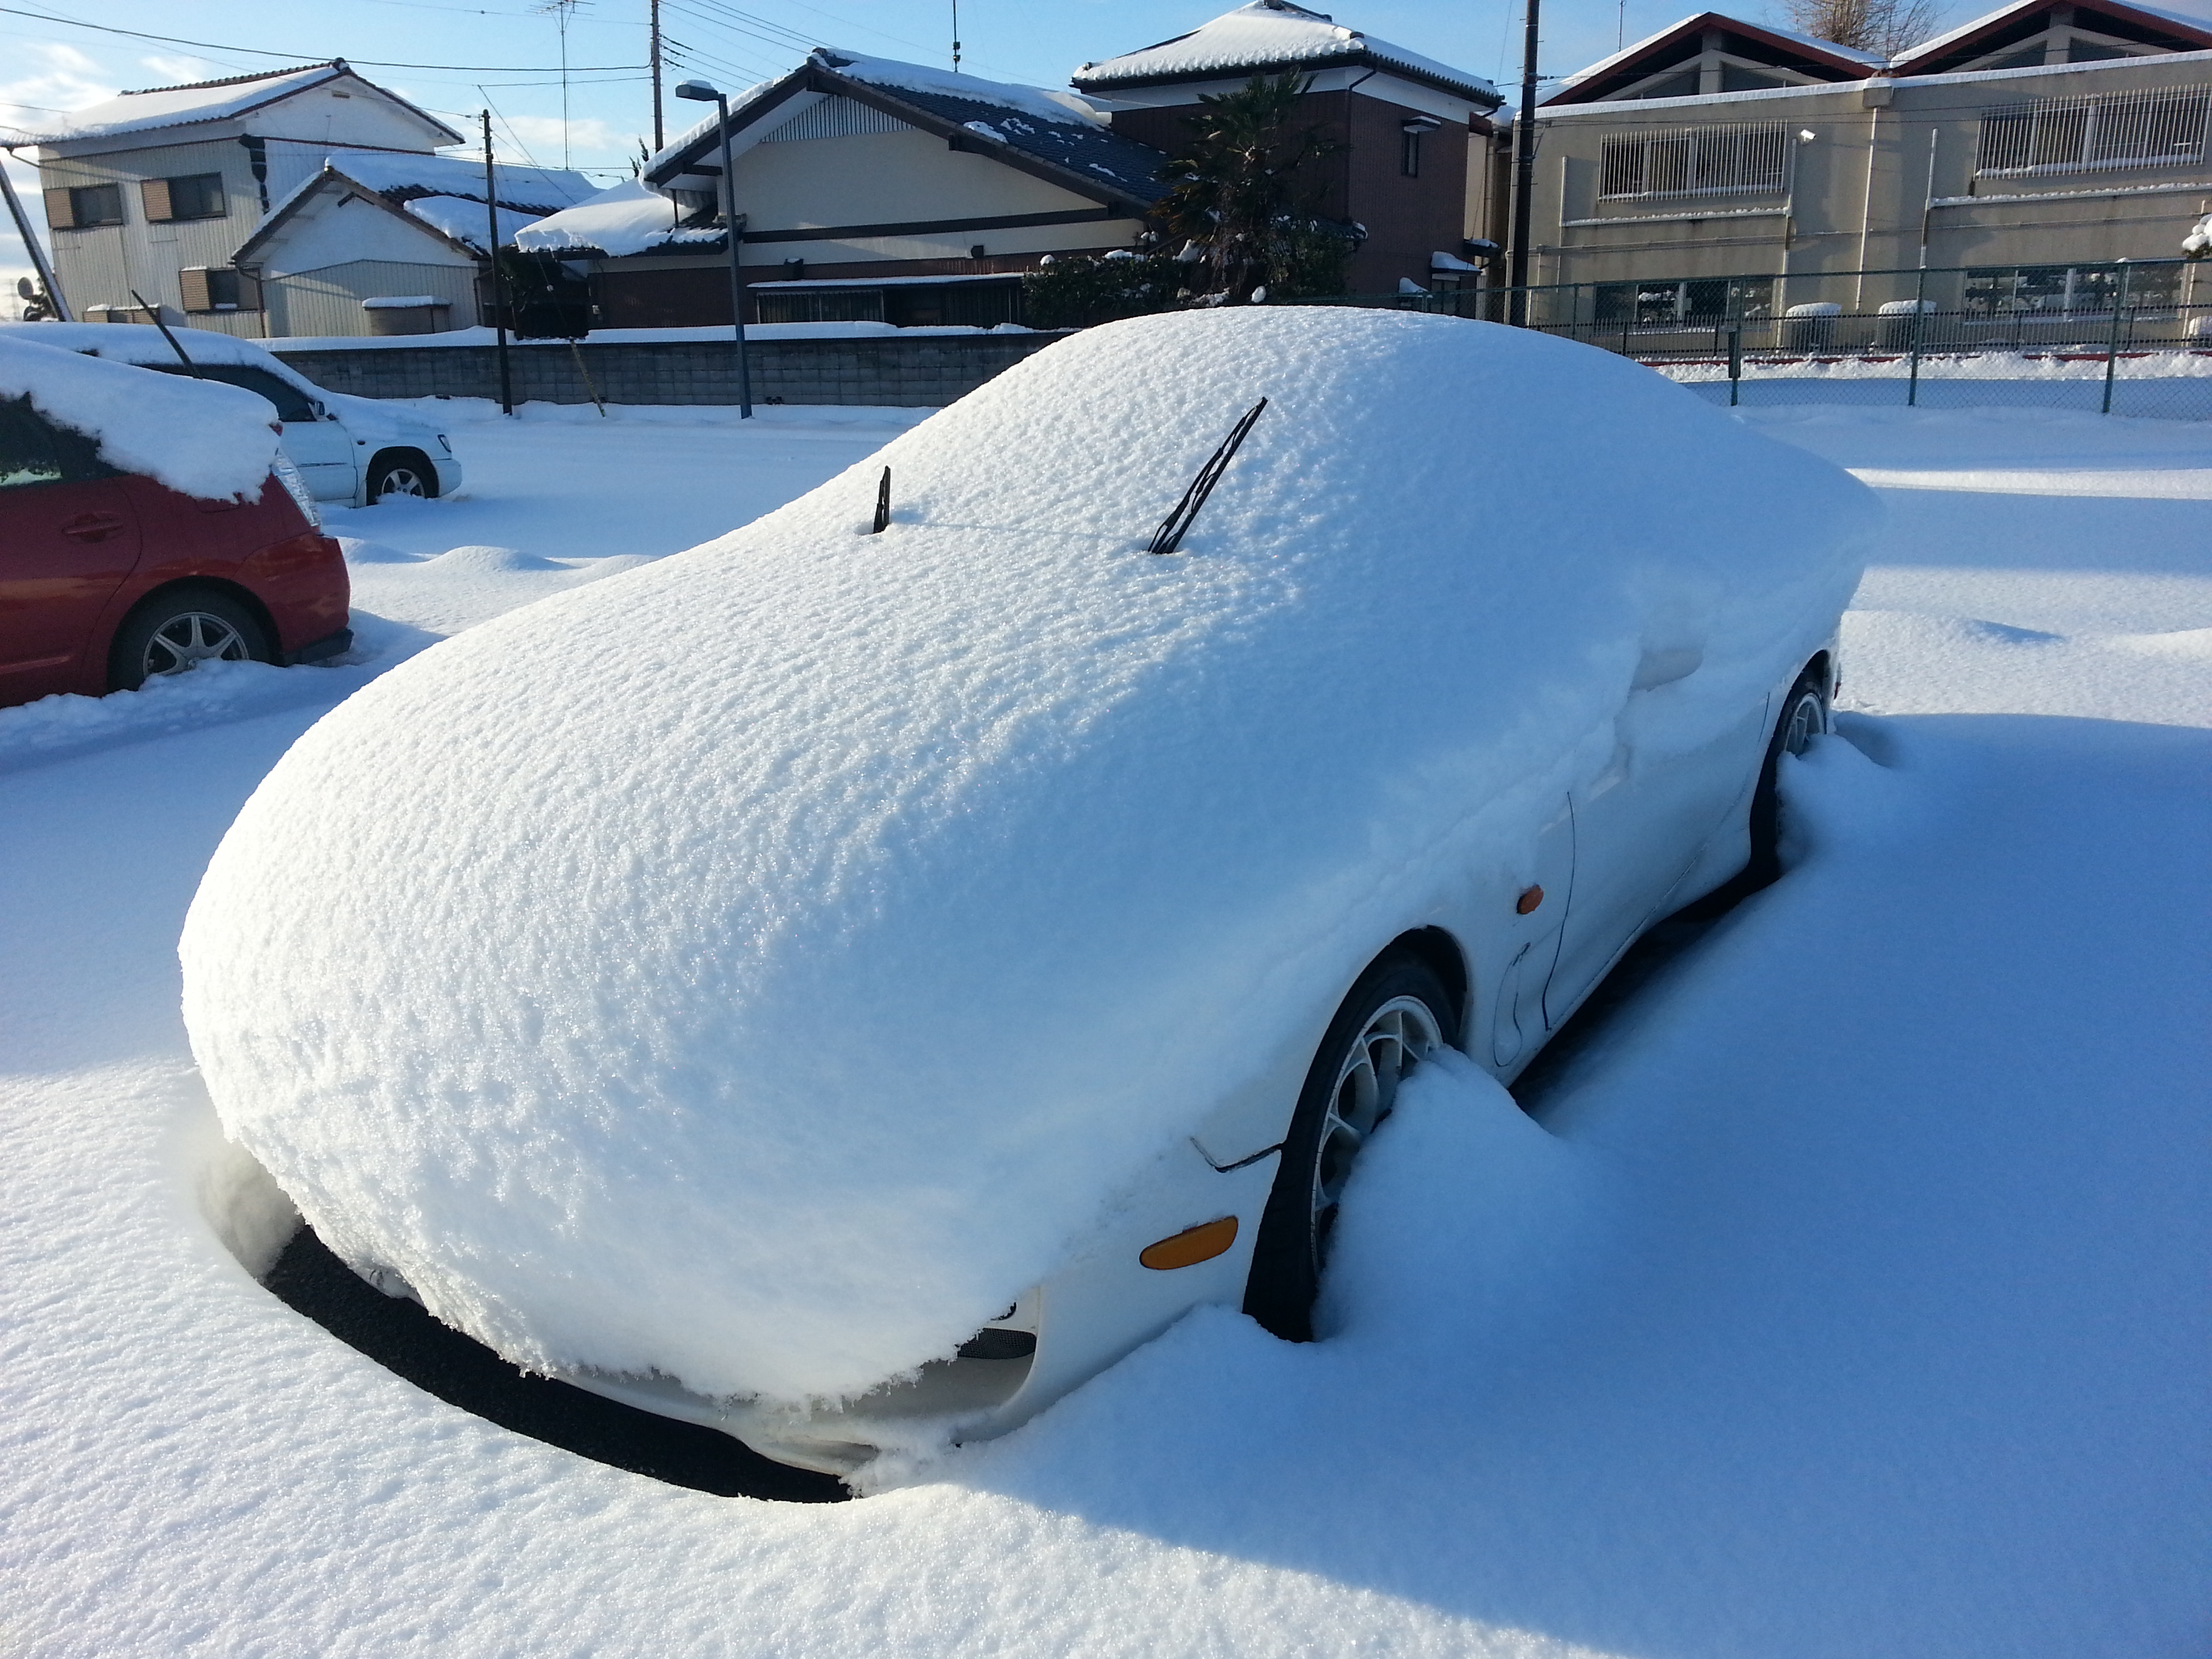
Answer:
[(1524, 174), (653, 62), (53, 290), (955, 36), (498, 288)]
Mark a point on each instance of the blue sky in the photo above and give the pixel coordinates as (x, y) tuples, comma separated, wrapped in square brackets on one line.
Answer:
[(50, 66)]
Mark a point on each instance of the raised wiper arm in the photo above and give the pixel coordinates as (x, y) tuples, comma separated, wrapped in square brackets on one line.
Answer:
[(1169, 536)]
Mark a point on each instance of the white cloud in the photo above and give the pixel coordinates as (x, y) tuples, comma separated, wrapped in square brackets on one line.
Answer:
[(589, 140), (63, 79), (173, 69)]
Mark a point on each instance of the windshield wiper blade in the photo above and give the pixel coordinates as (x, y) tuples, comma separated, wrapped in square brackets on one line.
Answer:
[(1169, 536)]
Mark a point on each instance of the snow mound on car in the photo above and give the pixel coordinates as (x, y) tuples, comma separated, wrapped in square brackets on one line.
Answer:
[(201, 439), (758, 968)]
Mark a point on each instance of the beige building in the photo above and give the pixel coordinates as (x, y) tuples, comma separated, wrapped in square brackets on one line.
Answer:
[(155, 192), (1722, 168)]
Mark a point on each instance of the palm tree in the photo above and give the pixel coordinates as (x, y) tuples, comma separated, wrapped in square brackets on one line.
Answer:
[(1245, 203)]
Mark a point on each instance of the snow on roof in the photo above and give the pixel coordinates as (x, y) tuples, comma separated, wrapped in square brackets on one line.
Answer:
[(1059, 128), (768, 1019), (1629, 54), (1273, 34), (199, 438), (203, 100), (1046, 125), (625, 219), (1034, 101), (463, 220), (401, 174), (1912, 54), (705, 125)]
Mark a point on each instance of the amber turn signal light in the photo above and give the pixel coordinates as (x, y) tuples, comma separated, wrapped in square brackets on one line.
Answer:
[(1191, 1246), (1529, 899)]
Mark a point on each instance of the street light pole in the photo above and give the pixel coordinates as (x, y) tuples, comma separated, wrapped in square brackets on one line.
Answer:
[(700, 92)]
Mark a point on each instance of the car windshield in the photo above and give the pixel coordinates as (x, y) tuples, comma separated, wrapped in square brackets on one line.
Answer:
[(292, 403)]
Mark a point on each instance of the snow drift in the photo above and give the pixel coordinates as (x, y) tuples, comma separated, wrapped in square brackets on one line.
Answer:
[(207, 440), (759, 967)]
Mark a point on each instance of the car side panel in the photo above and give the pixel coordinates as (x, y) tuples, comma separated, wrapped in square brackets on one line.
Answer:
[(66, 549), (264, 546)]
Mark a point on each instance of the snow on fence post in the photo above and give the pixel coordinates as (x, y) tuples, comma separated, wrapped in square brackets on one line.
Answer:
[(2113, 340)]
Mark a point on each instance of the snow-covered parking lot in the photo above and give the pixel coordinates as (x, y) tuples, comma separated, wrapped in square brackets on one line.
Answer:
[(1844, 1294)]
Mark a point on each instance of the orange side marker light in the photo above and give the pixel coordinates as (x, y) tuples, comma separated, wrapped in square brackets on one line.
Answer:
[(1191, 1246), (1529, 899)]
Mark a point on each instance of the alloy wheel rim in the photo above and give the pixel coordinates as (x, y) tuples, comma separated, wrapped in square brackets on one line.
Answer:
[(1397, 1037), (187, 641), (1804, 724), (403, 481)]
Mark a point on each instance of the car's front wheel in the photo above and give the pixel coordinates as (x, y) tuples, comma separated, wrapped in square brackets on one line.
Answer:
[(1804, 718), (401, 472), (1397, 1014), (181, 629)]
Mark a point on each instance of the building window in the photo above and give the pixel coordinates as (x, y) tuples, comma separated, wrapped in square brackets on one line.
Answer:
[(197, 196), (816, 306), (218, 290), (1694, 302), (2087, 135), (1409, 152), (81, 206), (2006, 293), (1717, 160)]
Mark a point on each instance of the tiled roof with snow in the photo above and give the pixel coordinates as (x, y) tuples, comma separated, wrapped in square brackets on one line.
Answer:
[(1055, 127), (1635, 49), (1929, 48), (463, 220), (402, 174), (173, 106), (1024, 118), (1274, 35)]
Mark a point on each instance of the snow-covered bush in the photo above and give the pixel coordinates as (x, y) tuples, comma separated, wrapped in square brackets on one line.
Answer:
[(759, 968)]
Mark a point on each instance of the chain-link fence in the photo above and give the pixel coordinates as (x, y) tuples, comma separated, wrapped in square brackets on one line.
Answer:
[(2129, 337)]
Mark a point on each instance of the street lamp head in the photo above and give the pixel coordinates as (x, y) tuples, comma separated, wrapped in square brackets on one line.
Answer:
[(697, 91)]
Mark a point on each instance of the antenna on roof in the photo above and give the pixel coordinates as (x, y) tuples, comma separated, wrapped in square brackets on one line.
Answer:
[(955, 36)]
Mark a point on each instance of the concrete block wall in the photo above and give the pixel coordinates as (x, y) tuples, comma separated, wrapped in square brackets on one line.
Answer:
[(922, 371)]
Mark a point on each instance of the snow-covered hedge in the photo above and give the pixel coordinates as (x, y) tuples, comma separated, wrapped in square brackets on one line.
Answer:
[(212, 441), (758, 968)]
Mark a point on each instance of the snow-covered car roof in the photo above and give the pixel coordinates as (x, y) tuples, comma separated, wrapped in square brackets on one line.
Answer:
[(146, 346), (756, 968), (211, 441)]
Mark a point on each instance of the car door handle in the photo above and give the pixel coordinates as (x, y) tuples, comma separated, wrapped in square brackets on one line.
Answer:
[(93, 526)]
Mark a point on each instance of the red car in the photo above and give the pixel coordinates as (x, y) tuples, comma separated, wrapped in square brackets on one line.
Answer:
[(107, 578)]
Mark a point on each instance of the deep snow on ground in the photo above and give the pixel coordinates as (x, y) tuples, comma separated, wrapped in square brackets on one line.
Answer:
[(1847, 1301)]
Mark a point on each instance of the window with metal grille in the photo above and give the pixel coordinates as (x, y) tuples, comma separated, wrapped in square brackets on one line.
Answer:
[(2165, 128), (1718, 161)]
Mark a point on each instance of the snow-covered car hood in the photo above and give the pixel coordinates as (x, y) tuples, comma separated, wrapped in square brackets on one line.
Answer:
[(756, 968)]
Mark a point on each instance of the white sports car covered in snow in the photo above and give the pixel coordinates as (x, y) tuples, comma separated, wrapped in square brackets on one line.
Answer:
[(847, 986)]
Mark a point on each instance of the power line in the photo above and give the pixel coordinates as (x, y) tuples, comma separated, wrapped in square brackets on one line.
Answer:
[(309, 58)]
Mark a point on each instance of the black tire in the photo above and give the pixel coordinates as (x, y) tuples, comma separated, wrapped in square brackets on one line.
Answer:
[(1292, 1247), (1804, 716), (176, 631), (401, 472)]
